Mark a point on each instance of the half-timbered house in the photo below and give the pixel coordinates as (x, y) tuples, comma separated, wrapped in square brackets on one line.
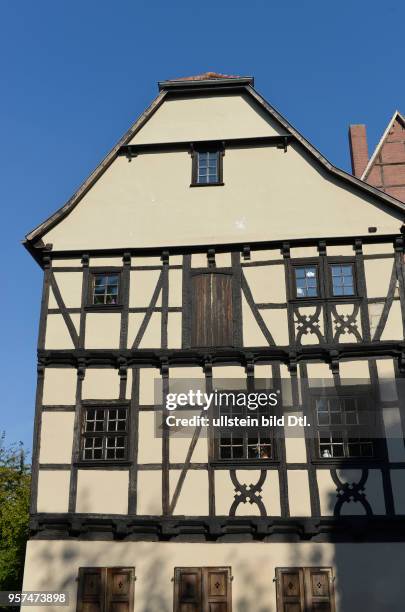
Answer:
[(215, 243)]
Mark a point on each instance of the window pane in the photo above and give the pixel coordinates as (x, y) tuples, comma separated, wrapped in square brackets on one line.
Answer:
[(207, 167), (306, 281), (253, 452), (342, 280), (225, 452), (237, 452), (105, 289)]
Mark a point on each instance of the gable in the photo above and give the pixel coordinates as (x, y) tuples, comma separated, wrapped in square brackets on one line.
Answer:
[(267, 195), (386, 167), (207, 118)]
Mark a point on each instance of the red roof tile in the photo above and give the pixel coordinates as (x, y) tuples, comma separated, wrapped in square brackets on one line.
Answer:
[(205, 76)]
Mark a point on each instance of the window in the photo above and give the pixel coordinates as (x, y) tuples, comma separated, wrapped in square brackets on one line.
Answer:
[(212, 310), (105, 288), (101, 589), (245, 443), (305, 589), (202, 588), (342, 279), (313, 279), (306, 281), (344, 425), (104, 433), (207, 166)]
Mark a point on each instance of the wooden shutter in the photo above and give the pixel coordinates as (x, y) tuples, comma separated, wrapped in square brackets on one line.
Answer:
[(202, 589), (305, 589), (187, 589), (103, 589), (90, 594), (319, 593), (212, 311), (290, 590), (120, 589), (217, 589)]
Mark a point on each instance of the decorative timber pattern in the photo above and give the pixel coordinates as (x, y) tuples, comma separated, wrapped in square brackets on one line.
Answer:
[(207, 311)]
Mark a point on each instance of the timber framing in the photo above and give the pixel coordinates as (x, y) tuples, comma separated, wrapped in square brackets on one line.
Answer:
[(44, 252), (227, 356), (228, 143), (85, 527)]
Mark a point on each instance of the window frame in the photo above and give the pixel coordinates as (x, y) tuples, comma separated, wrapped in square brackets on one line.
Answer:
[(306, 263), (207, 147), (323, 267), (341, 261), (246, 461), (345, 392), (105, 406), (105, 271)]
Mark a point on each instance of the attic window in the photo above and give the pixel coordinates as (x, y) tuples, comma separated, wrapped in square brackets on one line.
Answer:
[(207, 166)]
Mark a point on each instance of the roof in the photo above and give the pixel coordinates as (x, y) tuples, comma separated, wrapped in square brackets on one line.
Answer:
[(395, 116), (206, 79), (206, 75), (167, 88)]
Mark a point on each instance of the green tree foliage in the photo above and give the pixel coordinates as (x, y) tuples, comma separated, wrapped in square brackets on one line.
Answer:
[(14, 513)]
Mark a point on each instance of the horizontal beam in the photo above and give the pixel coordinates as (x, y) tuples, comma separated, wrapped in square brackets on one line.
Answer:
[(236, 143), (290, 356), (46, 250), (220, 528)]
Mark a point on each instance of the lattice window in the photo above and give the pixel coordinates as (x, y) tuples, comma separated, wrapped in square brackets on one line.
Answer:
[(105, 289), (245, 443), (104, 434), (342, 279), (208, 167), (306, 281), (343, 424)]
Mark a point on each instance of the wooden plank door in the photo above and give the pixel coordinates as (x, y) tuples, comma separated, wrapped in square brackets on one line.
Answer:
[(212, 310)]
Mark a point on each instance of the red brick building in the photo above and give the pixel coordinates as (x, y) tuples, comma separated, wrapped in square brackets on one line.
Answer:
[(385, 169)]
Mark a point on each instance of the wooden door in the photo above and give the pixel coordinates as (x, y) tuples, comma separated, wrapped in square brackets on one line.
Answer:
[(212, 310)]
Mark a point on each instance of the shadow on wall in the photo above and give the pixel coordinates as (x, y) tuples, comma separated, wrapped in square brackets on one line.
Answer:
[(255, 596), (367, 576), (156, 586)]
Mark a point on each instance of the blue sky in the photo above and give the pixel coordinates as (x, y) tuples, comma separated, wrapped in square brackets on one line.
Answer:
[(75, 75)]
